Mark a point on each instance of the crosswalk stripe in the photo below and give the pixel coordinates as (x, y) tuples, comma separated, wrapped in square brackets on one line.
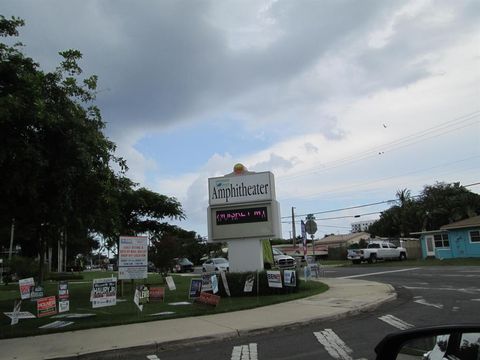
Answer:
[(396, 322), (245, 352), (153, 357), (334, 345)]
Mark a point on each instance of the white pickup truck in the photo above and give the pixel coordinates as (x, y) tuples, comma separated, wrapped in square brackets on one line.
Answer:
[(377, 250)]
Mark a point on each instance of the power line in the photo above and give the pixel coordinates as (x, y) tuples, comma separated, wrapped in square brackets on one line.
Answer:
[(341, 209), (443, 165), (360, 206), (393, 145)]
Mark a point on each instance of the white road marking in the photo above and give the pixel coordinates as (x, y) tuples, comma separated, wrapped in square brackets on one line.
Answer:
[(424, 302), (396, 322), (475, 299), (245, 352), (334, 345), (455, 308), (464, 290), (153, 357), (377, 273)]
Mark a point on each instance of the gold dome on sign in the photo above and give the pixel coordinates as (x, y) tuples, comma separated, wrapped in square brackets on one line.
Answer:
[(239, 168)]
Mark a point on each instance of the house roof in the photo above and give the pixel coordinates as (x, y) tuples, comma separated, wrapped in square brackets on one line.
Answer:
[(342, 239), (470, 222)]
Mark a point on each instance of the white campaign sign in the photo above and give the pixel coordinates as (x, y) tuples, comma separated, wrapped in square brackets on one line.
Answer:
[(104, 292), (133, 257)]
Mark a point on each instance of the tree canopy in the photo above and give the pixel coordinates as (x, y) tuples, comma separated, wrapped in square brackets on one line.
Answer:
[(437, 205), (57, 164)]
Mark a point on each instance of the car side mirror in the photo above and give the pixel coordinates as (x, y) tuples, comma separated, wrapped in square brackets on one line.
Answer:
[(434, 343)]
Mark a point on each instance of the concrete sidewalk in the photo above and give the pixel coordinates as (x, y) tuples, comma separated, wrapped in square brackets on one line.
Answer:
[(345, 297)]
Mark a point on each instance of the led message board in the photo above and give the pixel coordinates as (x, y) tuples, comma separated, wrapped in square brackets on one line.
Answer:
[(243, 206), (241, 216)]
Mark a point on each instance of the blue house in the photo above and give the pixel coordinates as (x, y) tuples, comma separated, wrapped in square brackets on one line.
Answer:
[(460, 239)]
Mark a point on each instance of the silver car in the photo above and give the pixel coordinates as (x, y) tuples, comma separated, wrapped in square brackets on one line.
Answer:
[(215, 264)]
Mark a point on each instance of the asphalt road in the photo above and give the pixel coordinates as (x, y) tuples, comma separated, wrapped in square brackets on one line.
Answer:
[(426, 296)]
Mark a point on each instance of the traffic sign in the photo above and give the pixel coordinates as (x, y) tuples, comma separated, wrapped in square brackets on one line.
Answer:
[(311, 227)]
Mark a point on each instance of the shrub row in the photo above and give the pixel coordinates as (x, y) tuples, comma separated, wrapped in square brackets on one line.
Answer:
[(64, 276)]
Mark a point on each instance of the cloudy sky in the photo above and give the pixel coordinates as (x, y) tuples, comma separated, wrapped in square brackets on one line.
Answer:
[(344, 101)]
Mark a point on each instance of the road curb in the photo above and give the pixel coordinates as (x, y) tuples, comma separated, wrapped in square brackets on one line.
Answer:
[(175, 344)]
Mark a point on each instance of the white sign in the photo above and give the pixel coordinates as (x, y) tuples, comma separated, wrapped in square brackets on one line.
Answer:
[(249, 283), (225, 282), (104, 292), (136, 299), (207, 282), (16, 310), (20, 315), (241, 189), (274, 279), (25, 285), (170, 283), (56, 324), (133, 257), (214, 281), (63, 306)]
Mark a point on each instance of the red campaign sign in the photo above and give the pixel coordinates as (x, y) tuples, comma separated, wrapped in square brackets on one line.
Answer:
[(157, 293), (46, 306), (207, 298)]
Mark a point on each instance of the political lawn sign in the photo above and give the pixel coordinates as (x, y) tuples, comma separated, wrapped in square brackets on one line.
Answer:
[(170, 283), (16, 310), (289, 278), (133, 257), (25, 285), (249, 283), (63, 290), (36, 292), (63, 306), (195, 288), (141, 296), (156, 293), (207, 282), (46, 306), (214, 281), (208, 299), (104, 292), (274, 279)]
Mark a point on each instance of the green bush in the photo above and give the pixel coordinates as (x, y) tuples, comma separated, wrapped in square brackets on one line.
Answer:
[(236, 284), (23, 267), (64, 276)]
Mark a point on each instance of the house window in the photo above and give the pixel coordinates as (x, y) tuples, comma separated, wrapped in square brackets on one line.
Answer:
[(475, 236), (441, 241)]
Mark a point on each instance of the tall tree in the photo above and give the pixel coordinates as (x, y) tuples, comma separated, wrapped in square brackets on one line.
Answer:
[(436, 205), (53, 149)]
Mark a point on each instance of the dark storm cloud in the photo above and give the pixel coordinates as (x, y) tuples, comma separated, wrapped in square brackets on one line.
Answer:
[(160, 62)]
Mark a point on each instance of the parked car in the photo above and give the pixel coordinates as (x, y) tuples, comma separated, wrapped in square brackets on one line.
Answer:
[(181, 265), (282, 260), (215, 264)]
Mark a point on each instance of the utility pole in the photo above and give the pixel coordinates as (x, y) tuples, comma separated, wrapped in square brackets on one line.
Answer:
[(293, 227)]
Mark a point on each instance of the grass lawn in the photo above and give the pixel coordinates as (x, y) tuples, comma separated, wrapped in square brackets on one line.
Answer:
[(126, 311)]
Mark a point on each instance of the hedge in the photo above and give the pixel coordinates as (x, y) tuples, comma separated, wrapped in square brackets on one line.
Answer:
[(236, 284)]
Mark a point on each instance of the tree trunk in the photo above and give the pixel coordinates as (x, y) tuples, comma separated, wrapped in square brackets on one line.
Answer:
[(41, 274)]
